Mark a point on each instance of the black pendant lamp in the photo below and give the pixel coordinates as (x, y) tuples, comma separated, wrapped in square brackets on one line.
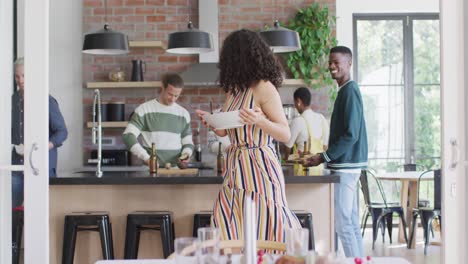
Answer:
[(190, 41), (281, 39), (105, 41)]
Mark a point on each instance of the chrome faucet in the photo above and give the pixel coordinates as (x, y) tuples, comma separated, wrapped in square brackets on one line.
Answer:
[(97, 129)]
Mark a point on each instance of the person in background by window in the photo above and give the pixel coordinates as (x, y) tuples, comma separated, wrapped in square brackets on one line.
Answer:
[(57, 133), (347, 150), (310, 127), (249, 74)]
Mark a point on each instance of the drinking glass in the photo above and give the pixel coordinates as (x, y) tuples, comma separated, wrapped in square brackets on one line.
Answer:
[(209, 245), (186, 250), (297, 242)]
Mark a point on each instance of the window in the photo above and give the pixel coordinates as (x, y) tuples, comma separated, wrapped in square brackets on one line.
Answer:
[(397, 67)]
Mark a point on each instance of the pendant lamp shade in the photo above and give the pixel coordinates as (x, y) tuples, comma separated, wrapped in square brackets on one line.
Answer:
[(190, 41), (105, 42), (281, 39)]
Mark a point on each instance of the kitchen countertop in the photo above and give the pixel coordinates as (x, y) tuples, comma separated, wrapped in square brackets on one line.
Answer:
[(204, 176)]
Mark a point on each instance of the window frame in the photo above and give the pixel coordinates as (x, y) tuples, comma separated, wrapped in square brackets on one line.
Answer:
[(408, 66)]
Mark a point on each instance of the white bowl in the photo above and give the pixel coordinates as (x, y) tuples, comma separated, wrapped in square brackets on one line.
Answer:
[(224, 120)]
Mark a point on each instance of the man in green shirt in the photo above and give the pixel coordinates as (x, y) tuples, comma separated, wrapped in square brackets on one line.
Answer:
[(164, 122), (347, 150)]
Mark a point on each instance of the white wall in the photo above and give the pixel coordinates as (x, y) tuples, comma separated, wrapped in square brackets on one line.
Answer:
[(66, 76), (346, 8)]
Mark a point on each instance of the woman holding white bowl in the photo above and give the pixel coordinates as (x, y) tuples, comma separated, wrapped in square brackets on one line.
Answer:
[(249, 74)]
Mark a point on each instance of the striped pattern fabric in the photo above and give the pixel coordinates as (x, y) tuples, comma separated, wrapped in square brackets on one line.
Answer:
[(168, 126), (252, 169)]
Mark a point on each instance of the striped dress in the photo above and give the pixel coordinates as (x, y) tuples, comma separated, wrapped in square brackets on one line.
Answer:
[(252, 170)]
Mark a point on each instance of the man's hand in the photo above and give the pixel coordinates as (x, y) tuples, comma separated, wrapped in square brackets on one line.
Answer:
[(315, 160), (183, 161), (184, 157), (19, 149), (51, 145)]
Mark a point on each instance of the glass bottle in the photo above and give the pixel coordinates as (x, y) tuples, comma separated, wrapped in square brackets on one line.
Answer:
[(153, 161), (220, 159), (306, 148), (198, 148)]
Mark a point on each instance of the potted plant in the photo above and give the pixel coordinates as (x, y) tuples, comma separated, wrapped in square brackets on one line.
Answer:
[(315, 26)]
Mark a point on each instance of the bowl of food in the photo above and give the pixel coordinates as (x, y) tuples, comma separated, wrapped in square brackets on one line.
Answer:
[(224, 120)]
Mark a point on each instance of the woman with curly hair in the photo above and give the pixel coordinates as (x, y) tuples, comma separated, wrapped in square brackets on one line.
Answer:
[(249, 73)]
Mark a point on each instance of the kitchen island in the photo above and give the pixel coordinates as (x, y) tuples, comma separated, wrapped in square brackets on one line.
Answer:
[(120, 193)]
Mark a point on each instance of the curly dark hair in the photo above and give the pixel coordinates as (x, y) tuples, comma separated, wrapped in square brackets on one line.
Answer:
[(245, 60)]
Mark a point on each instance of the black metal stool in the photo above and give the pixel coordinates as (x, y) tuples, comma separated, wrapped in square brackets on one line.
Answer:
[(306, 222), (149, 220), (87, 221), (18, 222), (201, 219)]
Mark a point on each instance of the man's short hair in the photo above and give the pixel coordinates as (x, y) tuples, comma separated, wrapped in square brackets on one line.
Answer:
[(341, 49), (173, 79), (304, 94), (19, 61)]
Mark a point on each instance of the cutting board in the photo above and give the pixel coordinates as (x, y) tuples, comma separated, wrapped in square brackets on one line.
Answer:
[(190, 171)]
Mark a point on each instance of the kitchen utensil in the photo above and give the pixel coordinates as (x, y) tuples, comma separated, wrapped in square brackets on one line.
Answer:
[(117, 76), (211, 107), (173, 171), (115, 111), (138, 69), (224, 120), (290, 111)]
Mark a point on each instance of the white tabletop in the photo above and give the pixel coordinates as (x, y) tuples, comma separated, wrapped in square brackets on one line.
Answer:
[(406, 175), (375, 260)]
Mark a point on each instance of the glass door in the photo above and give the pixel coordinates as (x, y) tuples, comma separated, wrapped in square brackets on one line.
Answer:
[(24, 133)]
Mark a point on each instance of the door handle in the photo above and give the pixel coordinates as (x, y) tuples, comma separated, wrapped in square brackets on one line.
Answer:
[(455, 154), (34, 169)]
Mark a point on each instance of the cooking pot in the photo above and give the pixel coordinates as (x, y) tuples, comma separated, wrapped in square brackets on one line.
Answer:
[(115, 111), (290, 111)]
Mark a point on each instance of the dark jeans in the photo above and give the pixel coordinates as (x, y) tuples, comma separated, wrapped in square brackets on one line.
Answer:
[(17, 188)]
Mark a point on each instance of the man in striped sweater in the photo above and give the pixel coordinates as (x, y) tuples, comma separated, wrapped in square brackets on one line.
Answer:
[(163, 122), (347, 150)]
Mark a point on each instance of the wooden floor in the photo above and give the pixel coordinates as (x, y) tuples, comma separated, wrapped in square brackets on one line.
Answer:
[(396, 249)]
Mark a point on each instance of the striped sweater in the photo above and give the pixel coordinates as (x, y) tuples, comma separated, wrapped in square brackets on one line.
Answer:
[(166, 126)]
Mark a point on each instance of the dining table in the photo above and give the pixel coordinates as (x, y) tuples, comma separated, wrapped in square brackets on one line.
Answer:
[(236, 259), (375, 260), (409, 187)]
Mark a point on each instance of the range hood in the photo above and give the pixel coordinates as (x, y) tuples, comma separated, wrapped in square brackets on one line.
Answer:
[(206, 72)]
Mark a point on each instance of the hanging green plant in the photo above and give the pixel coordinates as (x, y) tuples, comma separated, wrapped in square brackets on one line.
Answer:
[(315, 26)]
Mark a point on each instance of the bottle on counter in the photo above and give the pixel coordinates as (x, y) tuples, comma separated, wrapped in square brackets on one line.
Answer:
[(198, 153), (153, 161), (306, 148), (198, 148), (220, 159)]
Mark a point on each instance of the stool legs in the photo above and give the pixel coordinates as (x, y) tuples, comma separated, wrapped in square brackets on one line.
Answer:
[(166, 237), (160, 221), (69, 241), (86, 222), (132, 240), (105, 233)]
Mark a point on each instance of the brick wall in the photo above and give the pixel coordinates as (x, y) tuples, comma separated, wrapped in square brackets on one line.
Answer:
[(154, 20)]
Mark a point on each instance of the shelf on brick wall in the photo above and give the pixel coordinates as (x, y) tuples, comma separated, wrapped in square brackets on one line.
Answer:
[(146, 44), (103, 85), (116, 124), (293, 82), (153, 84)]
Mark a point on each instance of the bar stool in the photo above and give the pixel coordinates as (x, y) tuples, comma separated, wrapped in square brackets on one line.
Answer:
[(18, 222), (149, 220), (306, 222), (87, 221), (201, 219)]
